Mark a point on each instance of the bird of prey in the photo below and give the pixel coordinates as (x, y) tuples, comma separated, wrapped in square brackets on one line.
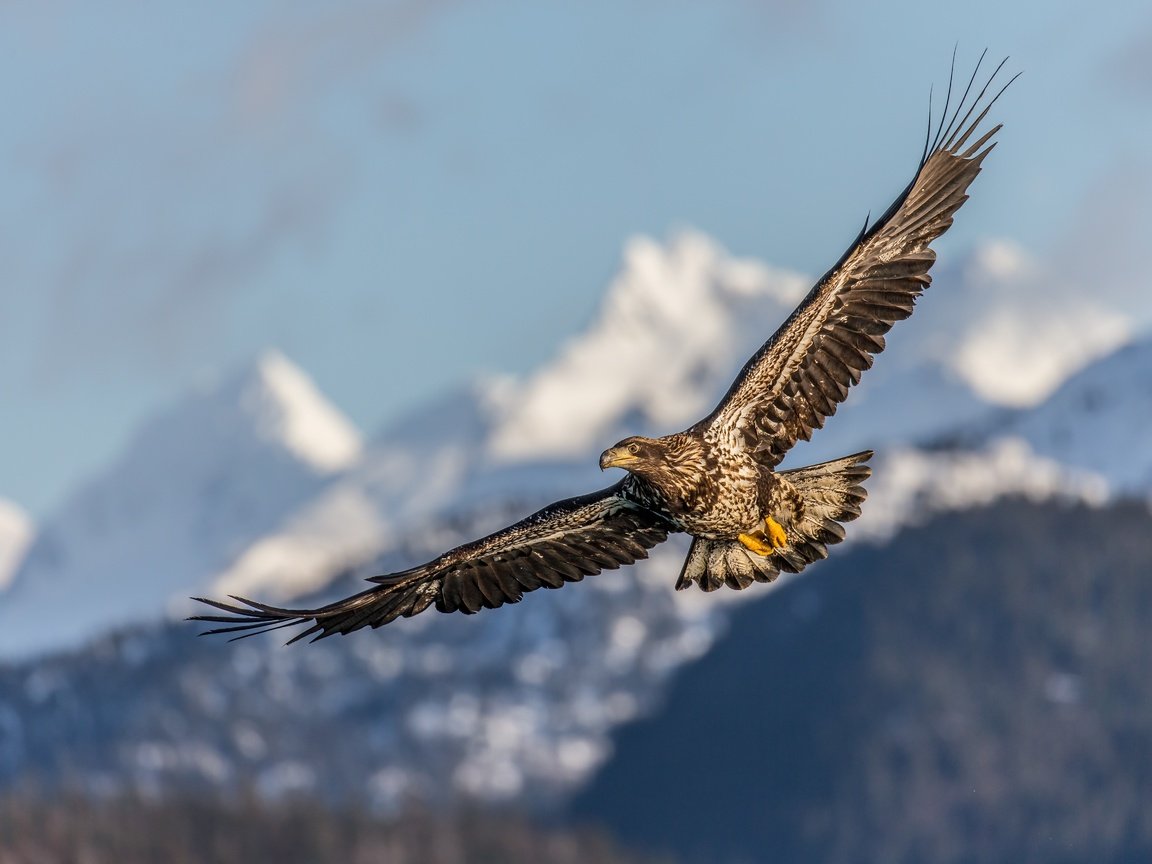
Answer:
[(716, 480)]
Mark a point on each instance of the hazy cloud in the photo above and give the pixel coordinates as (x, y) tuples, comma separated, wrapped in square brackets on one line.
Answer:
[(164, 205), (294, 59)]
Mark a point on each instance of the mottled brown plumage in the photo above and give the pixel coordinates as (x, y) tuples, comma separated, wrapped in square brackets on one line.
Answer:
[(715, 480)]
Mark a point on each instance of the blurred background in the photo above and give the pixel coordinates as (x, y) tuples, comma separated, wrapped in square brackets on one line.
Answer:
[(298, 293)]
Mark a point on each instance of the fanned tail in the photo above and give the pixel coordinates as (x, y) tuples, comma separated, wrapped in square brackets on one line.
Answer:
[(832, 493)]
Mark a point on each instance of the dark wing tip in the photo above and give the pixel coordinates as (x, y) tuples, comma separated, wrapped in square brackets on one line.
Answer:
[(249, 618), (951, 134)]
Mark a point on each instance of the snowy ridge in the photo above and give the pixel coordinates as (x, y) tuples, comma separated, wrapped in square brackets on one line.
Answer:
[(535, 440), (195, 488), (355, 519), (261, 487), (994, 329), (673, 326), (910, 486), (289, 411), (1099, 420), (1009, 327), (16, 533)]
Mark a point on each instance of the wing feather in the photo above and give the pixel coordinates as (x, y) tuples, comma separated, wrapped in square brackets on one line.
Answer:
[(564, 542), (800, 376)]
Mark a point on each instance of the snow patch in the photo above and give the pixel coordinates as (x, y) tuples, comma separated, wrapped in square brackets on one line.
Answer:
[(16, 535), (336, 532), (909, 486), (1099, 420), (260, 487), (198, 485), (286, 407), (1017, 330)]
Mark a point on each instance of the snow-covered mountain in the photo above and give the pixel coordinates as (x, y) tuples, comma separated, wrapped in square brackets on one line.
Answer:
[(259, 486), (16, 534), (673, 328), (1099, 420), (195, 487), (1008, 326)]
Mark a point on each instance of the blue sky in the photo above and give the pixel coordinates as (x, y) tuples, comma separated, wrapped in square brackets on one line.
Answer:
[(401, 195)]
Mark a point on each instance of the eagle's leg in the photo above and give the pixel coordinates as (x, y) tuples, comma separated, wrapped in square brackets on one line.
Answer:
[(764, 541)]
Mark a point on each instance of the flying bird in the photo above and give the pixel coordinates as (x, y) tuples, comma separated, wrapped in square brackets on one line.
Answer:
[(717, 480)]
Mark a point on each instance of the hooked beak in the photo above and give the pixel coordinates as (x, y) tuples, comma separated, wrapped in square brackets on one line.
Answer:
[(616, 457)]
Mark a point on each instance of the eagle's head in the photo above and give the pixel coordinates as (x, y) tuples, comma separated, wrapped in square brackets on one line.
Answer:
[(673, 464), (634, 454)]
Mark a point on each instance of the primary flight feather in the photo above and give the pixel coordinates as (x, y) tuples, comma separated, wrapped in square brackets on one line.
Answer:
[(716, 480)]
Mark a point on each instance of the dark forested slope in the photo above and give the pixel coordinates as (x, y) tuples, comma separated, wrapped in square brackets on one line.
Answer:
[(129, 829), (979, 690)]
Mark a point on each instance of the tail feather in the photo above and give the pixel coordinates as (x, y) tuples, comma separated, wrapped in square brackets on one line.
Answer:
[(832, 493)]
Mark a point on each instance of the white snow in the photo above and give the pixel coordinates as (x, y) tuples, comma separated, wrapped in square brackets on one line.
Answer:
[(287, 409), (995, 329), (675, 323), (16, 534), (196, 487), (1099, 420), (260, 487), (910, 486), (339, 530), (1011, 328)]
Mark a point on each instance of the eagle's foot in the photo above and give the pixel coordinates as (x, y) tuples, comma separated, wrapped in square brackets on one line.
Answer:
[(764, 541), (756, 543), (777, 536)]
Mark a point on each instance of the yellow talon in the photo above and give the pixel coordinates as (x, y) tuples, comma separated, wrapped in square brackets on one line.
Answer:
[(765, 542), (756, 544), (776, 534)]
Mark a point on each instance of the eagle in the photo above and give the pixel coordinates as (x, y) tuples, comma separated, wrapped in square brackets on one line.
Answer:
[(717, 480)]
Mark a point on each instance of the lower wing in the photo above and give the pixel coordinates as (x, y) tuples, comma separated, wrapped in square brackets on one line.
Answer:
[(564, 542)]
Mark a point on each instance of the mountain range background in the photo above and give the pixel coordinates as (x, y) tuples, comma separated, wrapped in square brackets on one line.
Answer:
[(964, 680), (1013, 546)]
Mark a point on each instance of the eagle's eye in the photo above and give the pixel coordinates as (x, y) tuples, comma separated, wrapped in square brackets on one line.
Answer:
[(634, 448)]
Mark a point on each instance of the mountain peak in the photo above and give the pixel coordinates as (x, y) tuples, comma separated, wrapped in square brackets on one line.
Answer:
[(15, 534), (1024, 328), (194, 488), (288, 408), (672, 325), (1097, 419)]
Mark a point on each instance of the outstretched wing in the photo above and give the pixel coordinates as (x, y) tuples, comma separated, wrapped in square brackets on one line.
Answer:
[(799, 377), (564, 542)]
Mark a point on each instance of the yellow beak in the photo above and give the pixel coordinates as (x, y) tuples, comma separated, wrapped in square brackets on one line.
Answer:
[(616, 457)]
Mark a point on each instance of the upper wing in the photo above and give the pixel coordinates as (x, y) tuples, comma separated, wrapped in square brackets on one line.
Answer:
[(564, 542), (797, 379)]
